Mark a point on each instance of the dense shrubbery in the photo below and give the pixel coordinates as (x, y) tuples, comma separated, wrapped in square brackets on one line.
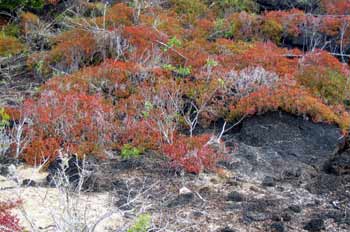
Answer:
[(155, 77)]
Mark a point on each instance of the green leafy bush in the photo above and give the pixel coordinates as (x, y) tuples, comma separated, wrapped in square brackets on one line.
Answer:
[(128, 151), (272, 30), (331, 86)]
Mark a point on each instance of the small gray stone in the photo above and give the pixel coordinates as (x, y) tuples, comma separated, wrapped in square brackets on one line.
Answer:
[(235, 196)]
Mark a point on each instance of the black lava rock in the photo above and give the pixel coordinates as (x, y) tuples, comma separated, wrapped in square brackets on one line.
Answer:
[(314, 225), (268, 181), (5, 162), (295, 208), (235, 196), (308, 5), (280, 146), (227, 229), (28, 183), (197, 214), (70, 169), (284, 217), (324, 183), (277, 227), (3, 170), (339, 164), (256, 216)]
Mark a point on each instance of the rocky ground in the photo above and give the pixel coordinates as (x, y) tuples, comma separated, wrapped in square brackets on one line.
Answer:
[(284, 173)]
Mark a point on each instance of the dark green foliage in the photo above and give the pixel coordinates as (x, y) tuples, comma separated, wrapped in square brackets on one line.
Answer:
[(128, 151), (14, 4)]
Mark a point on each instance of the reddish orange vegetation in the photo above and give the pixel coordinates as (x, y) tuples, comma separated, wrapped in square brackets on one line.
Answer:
[(341, 7), (118, 14), (10, 46), (269, 56), (296, 22), (72, 44), (173, 68), (194, 154), (80, 123), (291, 99), (289, 20)]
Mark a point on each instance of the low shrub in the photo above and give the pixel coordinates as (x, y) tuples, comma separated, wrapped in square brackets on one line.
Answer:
[(290, 98), (268, 56), (189, 9), (194, 154), (29, 22), (118, 14), (249, 80), (4, 118), (72, 50), (331, 86), (340, 7), (76, 122), (12, 29), (10, 45), (272, 30), (325, 76), (128, 151)]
